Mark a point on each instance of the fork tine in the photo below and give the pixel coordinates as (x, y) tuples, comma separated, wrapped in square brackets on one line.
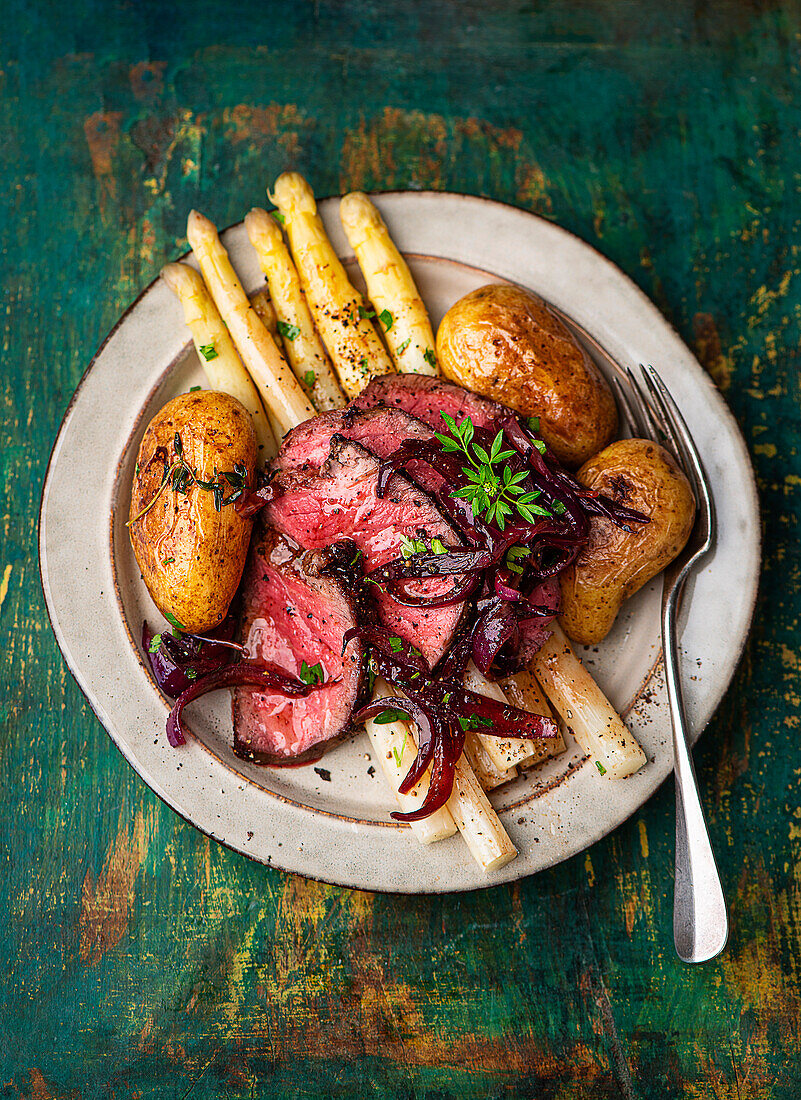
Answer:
[(667, 428), (688, 452), (624, 406), (647, 423)]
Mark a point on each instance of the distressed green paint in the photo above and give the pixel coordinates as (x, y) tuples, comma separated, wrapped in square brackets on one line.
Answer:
[(144, 961)]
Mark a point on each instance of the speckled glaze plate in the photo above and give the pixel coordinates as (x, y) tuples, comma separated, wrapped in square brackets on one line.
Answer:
[(331, 821)]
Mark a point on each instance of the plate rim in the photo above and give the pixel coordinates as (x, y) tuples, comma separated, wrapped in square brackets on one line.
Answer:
[(752, 506)]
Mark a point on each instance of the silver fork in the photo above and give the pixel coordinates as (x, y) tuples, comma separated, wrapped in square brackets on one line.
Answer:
[(700, 922)]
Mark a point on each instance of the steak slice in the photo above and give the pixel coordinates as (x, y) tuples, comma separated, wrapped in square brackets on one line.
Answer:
[(318, 508), (292, 612), (425, 397), (380, 430)]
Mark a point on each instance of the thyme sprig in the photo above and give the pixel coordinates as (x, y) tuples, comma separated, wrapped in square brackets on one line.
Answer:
[(180, 476), (493, 490)]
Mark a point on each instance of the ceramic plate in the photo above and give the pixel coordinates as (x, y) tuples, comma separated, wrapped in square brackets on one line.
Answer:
[(331, 821)]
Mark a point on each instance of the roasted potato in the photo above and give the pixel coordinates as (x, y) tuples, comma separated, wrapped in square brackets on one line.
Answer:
[(191, 555), (615, 563), (505, 343)]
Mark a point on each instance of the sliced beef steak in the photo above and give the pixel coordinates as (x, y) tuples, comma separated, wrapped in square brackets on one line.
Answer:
[(426, 397), (318, 508), (381, 430), (293, 613)]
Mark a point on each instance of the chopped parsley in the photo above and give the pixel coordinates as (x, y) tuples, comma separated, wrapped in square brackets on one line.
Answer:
[(600, 767), (310, 378), (366, 314), (474, 722), (171, 619), (391, 714), (430, 358), (208, 351), (386, 319), (155, 644), (279, 217), (398, 753), (401, 348), (395, 644), (194, 389), (289, 332), (311, 676)]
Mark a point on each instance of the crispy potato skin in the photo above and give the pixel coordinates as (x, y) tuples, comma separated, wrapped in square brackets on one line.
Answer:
[(615, 563), (190, 555), (505, 343)]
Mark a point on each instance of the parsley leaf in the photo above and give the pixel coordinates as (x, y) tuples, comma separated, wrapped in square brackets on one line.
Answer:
[(386, 319), (289, 332), (401, 348), (600, 767), (208, 351), (171, 619), (311, 676), (391, 714), (279, 217), (310, 378), (155, 644), (366, 314), (430, 358)]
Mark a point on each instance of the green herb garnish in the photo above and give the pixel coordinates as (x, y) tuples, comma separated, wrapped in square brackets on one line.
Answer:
[(473, 722), (401, 348), (310, 378), (155, 644), (438, 547), (313, 675), (208, 351), (534, 423), (363, 364), (430, 358), (391, 714), (171, 619), (366, 314), (279, 217), (513, 556), (181, 477), (398, 754), (395, 644), (386, 319), (493, 489), (289, 332), (168, 561), (194, 389), (600, 767)]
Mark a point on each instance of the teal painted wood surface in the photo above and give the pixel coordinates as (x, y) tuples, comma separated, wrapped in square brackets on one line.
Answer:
[(142, 960)]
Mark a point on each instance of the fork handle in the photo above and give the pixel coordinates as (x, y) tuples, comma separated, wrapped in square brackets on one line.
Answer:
[(700, 921)]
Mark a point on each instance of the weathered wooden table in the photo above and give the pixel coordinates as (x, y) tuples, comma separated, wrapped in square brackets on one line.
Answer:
[(138, 958)]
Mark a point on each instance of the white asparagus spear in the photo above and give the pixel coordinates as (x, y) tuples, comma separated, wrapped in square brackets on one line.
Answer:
[(488, 775), (338, 309), (477, 821), (584, 708), (395, 749), (505, 752), (215, 348), (523, 690), (390, 286), (304, 349), (284, 400), (265, 309)]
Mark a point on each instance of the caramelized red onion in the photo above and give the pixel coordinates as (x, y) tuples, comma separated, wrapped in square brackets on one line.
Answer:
[(242, 674), (443, 710)]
